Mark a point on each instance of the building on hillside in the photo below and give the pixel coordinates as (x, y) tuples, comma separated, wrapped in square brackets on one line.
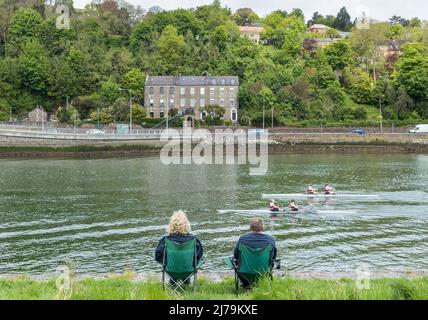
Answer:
[(252, 32), (312, 44), (345, 34), (38, 115), (390, 48), (190, 95), (319, 28)]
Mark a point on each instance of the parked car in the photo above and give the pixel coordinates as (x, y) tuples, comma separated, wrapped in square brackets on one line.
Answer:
[(420, 128), (95, 132), (361, 132)]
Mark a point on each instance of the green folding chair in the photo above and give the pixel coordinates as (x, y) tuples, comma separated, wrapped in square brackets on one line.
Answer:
[(252, 264), (180, 263)]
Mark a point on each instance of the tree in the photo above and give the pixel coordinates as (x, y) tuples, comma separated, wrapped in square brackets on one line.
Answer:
[(214, 114), (25, 26), (403, 103), (338, 55), (245, 16), (171, 52), (71, 75), (412, 71), (361, 89), (296, 12), (34, 67), (134, 81), (109, 92), (343, 20), (138, 113), (399, 20)]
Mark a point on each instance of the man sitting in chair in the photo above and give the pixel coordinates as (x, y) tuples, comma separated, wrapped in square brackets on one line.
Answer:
[(178, 231), (256, 238)]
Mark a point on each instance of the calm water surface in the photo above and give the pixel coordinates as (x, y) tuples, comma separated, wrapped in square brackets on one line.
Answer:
[(108, 214)]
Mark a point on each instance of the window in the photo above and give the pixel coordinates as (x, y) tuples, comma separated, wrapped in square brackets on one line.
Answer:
[(212, 101), (151, 90), (192, 91), (221, 102), (161, 103), (192, 102), (161, 90), (151, 102), (182, 102), (162, 114), (203, 115), (152, 114), (182, 90), (202, 91), (232, 102), (234, 115), (212, 90), (222, 91), (202, 102), (232, 91), (171, 102), (171, 91)]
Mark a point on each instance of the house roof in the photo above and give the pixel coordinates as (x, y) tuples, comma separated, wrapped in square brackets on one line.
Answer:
[(251, 28), (319, 26), (192, 81)]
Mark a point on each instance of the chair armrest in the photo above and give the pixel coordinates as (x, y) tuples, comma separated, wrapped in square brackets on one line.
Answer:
[(230, 262), (202, 260), (277, 263)]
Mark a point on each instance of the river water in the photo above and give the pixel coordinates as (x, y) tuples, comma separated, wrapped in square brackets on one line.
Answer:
[(107, 215)]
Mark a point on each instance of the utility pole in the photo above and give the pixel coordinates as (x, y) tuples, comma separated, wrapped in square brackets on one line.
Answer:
[(272, 118), (263, 114), (381, 117), (130, 112)]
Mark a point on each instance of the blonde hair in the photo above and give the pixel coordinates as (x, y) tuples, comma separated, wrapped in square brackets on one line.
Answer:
[(179, 224)]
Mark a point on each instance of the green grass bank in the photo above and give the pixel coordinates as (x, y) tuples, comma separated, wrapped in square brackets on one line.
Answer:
[(124, 287)]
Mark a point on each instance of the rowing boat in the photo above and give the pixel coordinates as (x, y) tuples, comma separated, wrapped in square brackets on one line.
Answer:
[(303, 195), (288, 211)]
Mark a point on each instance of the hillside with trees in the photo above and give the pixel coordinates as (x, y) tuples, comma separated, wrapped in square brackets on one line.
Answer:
[(80, 72)]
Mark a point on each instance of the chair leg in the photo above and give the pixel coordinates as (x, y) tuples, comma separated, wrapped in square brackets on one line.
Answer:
[(163, 280), (236, 283), (195, 282)]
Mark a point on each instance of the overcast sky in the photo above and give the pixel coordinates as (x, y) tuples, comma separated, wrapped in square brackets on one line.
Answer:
[(377, 9)]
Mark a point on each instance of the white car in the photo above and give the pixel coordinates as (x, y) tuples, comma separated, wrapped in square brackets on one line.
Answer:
[(420, 128), (95, 132)]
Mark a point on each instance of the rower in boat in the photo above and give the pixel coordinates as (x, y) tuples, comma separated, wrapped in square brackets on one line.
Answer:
[(329, 190), (273, 206), (310, 190), (293, 206)]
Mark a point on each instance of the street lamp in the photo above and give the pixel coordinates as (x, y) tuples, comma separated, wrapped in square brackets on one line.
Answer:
[(130, 108), (98, 125)]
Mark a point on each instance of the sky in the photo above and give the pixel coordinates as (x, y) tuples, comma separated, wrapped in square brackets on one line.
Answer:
[(376, 9)]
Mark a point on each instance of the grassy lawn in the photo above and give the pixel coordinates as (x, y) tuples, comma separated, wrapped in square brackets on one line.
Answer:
[(123, 287)]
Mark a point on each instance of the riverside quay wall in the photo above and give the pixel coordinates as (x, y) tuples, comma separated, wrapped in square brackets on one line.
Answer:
[(16, 143)]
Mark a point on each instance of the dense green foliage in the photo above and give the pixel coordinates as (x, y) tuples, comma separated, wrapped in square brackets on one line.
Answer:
[(103, 58), (124, 287)]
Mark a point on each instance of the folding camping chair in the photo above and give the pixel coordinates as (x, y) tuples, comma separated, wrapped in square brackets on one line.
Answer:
[(252, 264), (180, 263)]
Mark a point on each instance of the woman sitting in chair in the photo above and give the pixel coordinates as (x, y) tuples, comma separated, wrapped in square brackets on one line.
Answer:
[(178, 232)]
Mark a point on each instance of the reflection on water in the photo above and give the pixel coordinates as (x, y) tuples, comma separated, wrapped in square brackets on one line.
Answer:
[(108, 214)]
